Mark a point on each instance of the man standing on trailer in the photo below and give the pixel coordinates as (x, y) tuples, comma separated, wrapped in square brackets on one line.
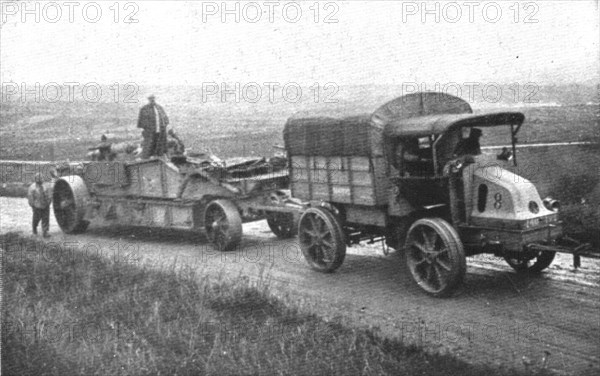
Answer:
[(153, 120)]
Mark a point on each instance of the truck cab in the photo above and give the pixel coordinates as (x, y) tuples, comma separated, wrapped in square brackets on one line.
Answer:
[(493, 209)]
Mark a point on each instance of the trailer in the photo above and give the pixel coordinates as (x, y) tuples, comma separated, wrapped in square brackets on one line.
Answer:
[(178, 193), (413, 176)]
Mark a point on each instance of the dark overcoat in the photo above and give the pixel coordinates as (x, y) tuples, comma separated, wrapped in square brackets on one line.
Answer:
[(152, 144)]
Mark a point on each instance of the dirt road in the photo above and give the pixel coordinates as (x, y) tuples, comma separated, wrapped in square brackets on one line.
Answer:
[(498, 317)]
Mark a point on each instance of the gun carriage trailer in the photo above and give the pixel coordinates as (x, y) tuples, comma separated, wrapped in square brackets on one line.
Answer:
[(188, 194), (351, 180)]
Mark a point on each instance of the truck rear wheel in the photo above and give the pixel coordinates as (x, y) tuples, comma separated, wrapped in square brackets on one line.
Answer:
[(321, 239), (435, 256), (223, 224), (70, 198), (534, 264)]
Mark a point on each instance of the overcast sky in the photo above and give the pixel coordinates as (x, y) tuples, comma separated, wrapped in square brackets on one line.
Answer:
[(371, 42)]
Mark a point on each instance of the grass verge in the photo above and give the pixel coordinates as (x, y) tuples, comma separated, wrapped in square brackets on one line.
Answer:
[(88, 315)]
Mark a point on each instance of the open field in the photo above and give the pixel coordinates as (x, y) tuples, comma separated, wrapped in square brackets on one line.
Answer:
[(64, 130)]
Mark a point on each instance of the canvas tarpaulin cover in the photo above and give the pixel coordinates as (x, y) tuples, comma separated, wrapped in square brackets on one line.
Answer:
[(362, 135), (325, 136)]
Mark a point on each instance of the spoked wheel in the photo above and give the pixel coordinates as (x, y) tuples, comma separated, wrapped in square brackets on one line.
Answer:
[(70, 198), (532, 263), (321, 239), (435, 256), (283, 225), (223, 224)]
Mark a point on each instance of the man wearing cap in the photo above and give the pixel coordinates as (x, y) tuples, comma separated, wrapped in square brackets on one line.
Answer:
[(153, 120), (469, 145), (39, 196)]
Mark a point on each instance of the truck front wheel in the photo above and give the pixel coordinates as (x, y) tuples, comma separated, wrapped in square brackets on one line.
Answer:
[(435, 256)]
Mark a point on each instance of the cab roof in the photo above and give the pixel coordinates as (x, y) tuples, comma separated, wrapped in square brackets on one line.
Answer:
[(421, 126), (420, 104), (427, 113)]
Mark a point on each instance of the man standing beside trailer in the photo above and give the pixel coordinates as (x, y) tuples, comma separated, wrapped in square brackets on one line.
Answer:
[(39, 196), (154, 121)]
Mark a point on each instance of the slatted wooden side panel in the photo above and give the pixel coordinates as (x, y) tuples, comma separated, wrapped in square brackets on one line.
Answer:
[(106, 174), (348, 180)]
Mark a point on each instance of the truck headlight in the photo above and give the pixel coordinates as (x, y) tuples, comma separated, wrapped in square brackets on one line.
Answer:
[(551, 204)]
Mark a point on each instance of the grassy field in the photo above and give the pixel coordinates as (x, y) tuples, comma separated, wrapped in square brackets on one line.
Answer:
[(86, 315), (64, 130)]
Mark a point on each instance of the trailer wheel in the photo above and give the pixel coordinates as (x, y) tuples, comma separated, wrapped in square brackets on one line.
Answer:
[(435, 256), (321, 239), (70, 198), (283, 225), (223, 224), (543, 259)]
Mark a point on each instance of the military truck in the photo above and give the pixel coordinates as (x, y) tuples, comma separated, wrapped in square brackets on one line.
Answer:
[(403, 175)]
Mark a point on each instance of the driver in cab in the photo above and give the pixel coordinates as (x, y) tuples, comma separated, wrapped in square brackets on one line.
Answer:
[(469, 145)]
